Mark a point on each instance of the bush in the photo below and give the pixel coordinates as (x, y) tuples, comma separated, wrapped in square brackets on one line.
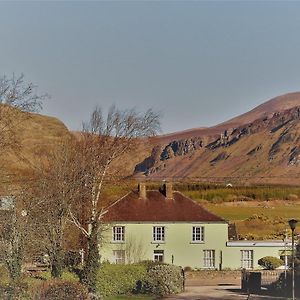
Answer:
[(61, 289), (148, 264), (163, 280), (119, 279), (270, 262)]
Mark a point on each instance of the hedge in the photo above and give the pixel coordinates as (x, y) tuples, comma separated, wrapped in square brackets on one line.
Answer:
[(119, 279)]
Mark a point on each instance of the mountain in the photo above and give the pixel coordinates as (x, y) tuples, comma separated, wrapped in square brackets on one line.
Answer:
[(31, 136), (260, 146)]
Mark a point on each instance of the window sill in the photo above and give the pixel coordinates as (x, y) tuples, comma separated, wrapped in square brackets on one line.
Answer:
[(197, 242), (117, 242), (158, 242)]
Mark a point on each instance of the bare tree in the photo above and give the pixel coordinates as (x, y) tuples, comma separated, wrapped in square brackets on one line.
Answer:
[(134, 249), (100, 149), (16, 96), (53, 190)]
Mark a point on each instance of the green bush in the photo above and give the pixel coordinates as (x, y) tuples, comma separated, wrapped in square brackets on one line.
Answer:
[(150, 263), (119, 279), (163, 280), (60, 289), (270, 262)]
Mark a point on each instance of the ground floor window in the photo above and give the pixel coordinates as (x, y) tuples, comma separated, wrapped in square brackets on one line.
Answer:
[(247, 259), (209, 258), (119, 256), (158, 255)]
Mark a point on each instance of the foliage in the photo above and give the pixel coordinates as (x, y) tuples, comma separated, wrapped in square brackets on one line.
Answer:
[(61, 289), (149, 264), (66, 275), (214, 192), (118, 279), (270, 262), (163, 280)]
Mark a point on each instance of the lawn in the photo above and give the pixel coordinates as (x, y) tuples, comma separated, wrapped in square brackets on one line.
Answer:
[(135, 297), (238, 213)]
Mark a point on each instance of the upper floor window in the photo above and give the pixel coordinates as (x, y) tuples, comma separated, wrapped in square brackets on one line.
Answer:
[(198, 234), (118, 233), (159, 233)]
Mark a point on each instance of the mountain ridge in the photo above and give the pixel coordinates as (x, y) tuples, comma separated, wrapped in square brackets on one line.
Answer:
[(266, 149)]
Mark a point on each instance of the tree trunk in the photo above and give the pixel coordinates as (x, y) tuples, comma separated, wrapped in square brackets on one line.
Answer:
[(57, 264), (92, 263)]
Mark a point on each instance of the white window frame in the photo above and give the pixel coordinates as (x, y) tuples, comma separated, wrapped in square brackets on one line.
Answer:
[(119, 256), (159, 234), (198, 234), (118, 234), (157, 254), (209, 259), (247, 259)]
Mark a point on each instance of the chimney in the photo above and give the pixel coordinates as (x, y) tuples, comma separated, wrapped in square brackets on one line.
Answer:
[(168, 190), (142, 190)]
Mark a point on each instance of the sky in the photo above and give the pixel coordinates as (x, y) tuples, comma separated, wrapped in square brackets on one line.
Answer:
[(198, 63)]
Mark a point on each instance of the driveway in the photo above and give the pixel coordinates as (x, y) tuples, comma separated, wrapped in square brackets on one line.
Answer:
[(224, 292)]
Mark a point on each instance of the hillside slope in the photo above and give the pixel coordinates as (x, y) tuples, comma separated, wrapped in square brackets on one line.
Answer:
[(276, 104), (261, 146)]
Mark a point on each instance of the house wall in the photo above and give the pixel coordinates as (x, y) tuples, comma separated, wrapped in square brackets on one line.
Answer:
[(232, 255), (179, 247), (178, 243)]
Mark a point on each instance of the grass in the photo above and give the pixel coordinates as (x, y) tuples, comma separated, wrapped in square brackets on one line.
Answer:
[(236, 213), (253, 209), (136, 297)]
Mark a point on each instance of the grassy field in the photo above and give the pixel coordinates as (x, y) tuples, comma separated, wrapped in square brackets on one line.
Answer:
[(238, 213), (219, 194), (259, 212)]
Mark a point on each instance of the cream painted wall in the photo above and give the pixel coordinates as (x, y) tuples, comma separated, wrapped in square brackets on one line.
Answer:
[(178, 244), (232, 255)]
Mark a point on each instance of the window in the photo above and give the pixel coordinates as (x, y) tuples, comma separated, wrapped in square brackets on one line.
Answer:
[(158, 255), (119, 256), (247, 259), (158, 234), (198, 234), (209, 258), (118, 233)]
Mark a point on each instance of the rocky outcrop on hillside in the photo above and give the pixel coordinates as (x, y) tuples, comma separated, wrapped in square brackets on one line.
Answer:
[(276, 133), (219, 157), (182, 147), (294, 158)]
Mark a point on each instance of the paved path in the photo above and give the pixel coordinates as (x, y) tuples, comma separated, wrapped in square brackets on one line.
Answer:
[(224, 292)]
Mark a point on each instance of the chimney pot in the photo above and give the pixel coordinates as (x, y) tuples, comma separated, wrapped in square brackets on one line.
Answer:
[(168, 190), (142, 190)]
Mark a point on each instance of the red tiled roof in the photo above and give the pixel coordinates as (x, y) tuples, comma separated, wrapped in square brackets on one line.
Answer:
[(157, 208)]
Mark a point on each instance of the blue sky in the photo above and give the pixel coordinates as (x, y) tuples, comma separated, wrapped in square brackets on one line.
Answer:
[(199, 63)]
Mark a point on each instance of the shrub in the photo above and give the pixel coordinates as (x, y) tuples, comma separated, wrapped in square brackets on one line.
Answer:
[(148, 264), (270, 262), (119, 279), (292, 197), (61, 289), (163, 280), (188, 269)]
